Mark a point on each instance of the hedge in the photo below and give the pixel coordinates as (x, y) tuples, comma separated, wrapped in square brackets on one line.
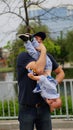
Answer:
[(11, 106)]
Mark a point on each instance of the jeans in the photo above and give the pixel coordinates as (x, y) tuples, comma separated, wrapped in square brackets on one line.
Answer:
[(31, 117)]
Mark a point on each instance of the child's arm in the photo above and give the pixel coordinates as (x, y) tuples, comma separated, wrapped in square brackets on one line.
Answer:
[(31, 76), (31, 67)]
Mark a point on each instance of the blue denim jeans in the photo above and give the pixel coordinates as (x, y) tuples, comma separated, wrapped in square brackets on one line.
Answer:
[(30, 117)]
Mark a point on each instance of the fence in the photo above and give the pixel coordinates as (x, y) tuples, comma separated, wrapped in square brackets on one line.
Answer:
[(9, 100)]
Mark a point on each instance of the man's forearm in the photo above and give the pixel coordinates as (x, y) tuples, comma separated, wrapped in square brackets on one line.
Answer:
[(41, 62), (60, 77), (59, 74)]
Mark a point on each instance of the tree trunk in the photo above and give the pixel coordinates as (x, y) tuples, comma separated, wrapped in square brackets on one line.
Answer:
[(26, 17)]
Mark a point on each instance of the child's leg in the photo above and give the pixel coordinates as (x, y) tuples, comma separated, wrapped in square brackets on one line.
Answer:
[(31, 50), (35, 43)]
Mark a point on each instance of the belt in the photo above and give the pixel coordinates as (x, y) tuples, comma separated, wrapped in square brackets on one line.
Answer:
[(38, 105), (32, 106)]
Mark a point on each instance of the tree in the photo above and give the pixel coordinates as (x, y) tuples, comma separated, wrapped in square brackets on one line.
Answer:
[(69, 45), (52, 47), (1, 53), (8, 46), (63, 55), (20, 9), (66, 45)]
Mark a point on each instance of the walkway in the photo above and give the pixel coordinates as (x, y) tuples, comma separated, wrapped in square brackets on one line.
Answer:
[(58, 124)]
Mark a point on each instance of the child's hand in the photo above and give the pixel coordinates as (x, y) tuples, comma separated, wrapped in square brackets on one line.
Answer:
[(33, 77), (31, 71)]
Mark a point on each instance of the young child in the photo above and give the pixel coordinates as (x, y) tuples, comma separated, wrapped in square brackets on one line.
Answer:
[(46, 84)]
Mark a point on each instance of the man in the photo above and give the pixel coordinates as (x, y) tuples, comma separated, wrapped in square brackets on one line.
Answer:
[(33, 110)]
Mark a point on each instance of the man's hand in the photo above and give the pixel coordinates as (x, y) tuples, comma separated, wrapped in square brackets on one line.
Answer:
[(41, 47), (31, 65)]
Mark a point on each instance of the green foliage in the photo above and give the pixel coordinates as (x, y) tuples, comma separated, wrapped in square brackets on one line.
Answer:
[(52, 47), (33, 28), (66, 45), (63, 55), (8, 46), (9, 108), (39, 27), (1, 113), (68, 73), (69, 44), (69, 105), (21, 29)]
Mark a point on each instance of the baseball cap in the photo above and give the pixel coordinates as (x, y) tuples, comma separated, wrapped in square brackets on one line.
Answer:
[(40, 34)]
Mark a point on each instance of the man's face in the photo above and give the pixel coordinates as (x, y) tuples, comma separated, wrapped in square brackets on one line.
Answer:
[(39, 39)]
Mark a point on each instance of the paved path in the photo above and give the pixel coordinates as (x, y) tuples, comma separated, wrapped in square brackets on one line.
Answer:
[(61, 124), (58, 124)]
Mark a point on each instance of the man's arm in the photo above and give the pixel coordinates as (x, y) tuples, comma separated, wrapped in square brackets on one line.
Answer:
[(59, 74), (41, 62), (57, 69)]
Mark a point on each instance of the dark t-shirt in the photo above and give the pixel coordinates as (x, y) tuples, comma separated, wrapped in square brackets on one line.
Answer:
[(26, 85)]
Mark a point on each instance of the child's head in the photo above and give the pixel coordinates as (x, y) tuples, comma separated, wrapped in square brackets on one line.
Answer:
[(40, 36)]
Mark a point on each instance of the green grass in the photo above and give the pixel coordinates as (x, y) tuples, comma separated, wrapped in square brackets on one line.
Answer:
[(6, 69)]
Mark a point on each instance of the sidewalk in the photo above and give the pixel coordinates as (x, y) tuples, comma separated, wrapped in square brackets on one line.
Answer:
[(58, 124), (62, 124)]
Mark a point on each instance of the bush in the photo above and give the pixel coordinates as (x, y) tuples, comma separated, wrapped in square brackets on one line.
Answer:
[(10, 109), (68, 73), (7, 108), (69, 105)]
